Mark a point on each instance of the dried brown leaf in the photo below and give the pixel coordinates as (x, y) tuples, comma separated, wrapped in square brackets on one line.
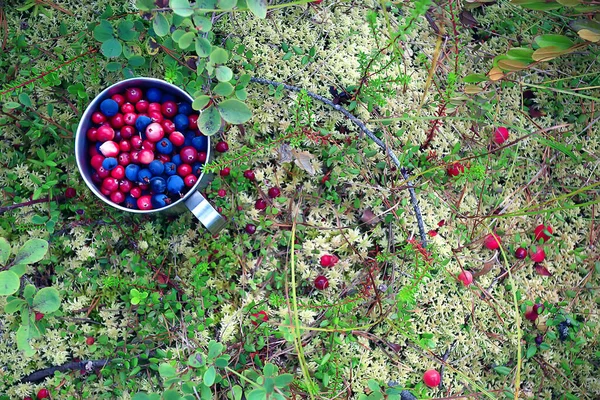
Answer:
[(369, 217), (302, 160), (285, 153), (542, 270)]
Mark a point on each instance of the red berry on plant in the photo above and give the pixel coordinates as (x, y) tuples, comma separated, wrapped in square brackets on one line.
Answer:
[(43, 394), (260, 316), (500, 135), (455, 169), (274, 192), (225, 172), (543, 232), (537, 254), (321, 282), (466, 277), (521, 253), (260, 204), (222, 193), (90, 340), (432, 378), (38, 316), (250, 229), (249, 174), (492, 241), (222, 147), (70, 193)]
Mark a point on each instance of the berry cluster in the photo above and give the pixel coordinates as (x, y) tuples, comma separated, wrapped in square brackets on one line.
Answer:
[(145, 148), (328, 261)]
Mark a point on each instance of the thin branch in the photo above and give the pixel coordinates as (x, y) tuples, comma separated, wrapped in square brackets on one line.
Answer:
[(88, 365), (371, 135)]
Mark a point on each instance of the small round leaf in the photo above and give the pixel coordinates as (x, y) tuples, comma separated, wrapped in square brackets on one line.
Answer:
[(46, 300), (203, 47), (4, 251), (186, 40), (209, 122), (234, 111), (9, 283), (103, 31), (224, 74), (161, 25), (111, 48), (32, 251)]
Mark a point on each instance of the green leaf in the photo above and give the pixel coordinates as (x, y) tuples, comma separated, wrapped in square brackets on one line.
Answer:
[(234, 111), (241, 94), (209, 122), (224, 74), (144, 5), (257, 394), (186, 40), (161, 25), (531, 350), (126, 30), (203, 23), (113, 66), (111, 48), (181, 7), (24, 99), (219, 56), (196, 360), (4, 251), (475, 78), (559, 41), (502, 370), (140, 396), (209, 376), (11, 105), (166, 370), (258, 8), (103, 31), (539, 5), (200, 102), (558, 146), (283, 380), (137, 61), (23, 340), (171, 395), (9, 283), (14, 305), (31, 252), (19, 269), (203, 47), (28, 292), (226, 4), (46, 300), (223, 89)]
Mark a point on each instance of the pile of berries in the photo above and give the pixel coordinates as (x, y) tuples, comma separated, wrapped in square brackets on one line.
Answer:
[(145, 148)]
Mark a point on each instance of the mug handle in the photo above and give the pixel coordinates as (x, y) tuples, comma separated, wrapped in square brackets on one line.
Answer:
[(208, 216)]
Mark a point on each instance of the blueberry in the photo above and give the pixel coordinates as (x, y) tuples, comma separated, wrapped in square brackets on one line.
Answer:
[(406, 395), (197, 168), (176, 159), (170, 168), (130, 202), (109, 163), (563, 331), (168, 97), (185, 108), (158, 185), (189, 139), (200, 143), (154, 95), (156, 167), (144, 175), (131, 172), (142, 122), (160, 200), (164, 146), (181, 122), (175, 184), (109, 107)]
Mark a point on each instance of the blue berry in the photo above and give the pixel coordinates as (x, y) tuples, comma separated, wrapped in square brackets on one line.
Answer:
[(142, 122), (144, 175), (109, 163), (200, 143), (168, 97), (181, 122), (109, 107), (164, 146), (175, 184), (130, 202), (160, 200), (176, 159), (563, 330), (189, 138), (170, 168), (158, 185), (197, 168), (154, 95), (131, 172), (185, 108), (406, 395), (156, 167)]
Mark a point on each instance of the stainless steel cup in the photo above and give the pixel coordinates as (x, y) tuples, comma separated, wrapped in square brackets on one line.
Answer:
[(193, 199)]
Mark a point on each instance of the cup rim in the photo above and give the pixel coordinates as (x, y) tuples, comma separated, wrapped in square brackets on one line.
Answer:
[(81, 139)]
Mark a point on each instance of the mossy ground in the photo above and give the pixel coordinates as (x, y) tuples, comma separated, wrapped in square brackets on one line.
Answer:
[(383, 292)]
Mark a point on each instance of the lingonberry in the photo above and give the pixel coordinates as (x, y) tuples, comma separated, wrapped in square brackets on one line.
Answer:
[(250, 229), (127, 108), (492, 241), (222, 193), (249, 174), (119, 98), (169, 109), (177, 138), (117, 197), (98, 118), (500, 135), (537, 254), (432, 378), (521, 253), (259, 317), (188, 154), (145, 202), (466, 277), (321, 282), (43, 394), (190, 180), (184, 170), (274, 192), (127, 131), (142, 106), (222, 147), (543, 232), (117, 121), (260, 204), (225, 172), (104, 133), (133, 95), (70, 193)]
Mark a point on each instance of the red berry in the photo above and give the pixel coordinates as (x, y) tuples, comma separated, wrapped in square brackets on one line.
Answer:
[(27, 398), (222, 193), (148, 145), (260, 316), (90, 340), (127, 132), (321, 282), (38, 316), (110, 184), (98, 118), (201, 157), (155, 132), (127, 108), (274, 192), (125, 185), (117, 197), (164, 158), (532, 313), (103, 173), (43, 394), (500, 135), (133, 95), (96, 161), (193, 121), (543, 232), (154, 107), (70, 193), (156, 116), (188, 154), (125, 145), (117, 121), (119, 99), (146, 156), (142, 106), (225, 172), (105, 133), (492, 241), (177, 138), (144, 202), (169, 109), (136, 142), (250, 229), (190, 180), (135, 192), (168, 126), (129, 119), (537, 254), (521, 253), (222, 147), (91, 134), (118, 172), (249, 174), (184, 170), (466, 277), (455, 169), (432, 378), (135, 156), (327, 260), (260, 204), (109, 149)]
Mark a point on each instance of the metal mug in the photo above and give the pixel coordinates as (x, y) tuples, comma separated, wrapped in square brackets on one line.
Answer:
[(193, 200)]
